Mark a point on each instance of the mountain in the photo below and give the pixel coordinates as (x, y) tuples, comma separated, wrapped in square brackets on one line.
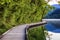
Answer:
[(56, 6), (55, 14)]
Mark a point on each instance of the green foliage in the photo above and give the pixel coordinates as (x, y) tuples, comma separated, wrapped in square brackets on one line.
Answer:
[(36, 34), (59, 2), (16, 12)]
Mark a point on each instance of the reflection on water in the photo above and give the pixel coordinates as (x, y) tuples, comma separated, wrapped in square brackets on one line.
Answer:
[(53, 26), (50, 27)]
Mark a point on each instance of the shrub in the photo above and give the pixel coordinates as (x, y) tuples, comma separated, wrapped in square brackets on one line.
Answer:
[(16, 12)]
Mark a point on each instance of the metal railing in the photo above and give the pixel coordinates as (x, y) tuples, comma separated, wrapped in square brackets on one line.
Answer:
[(25, 30), (31, 26)]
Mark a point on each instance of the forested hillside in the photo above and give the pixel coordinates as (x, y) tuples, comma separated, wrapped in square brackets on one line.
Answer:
[(17, 12), (54, 15)]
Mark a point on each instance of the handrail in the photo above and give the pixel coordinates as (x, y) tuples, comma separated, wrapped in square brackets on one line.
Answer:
[(31, 26)]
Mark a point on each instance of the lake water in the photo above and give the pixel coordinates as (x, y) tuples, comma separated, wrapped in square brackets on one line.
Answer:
[(53, 26)]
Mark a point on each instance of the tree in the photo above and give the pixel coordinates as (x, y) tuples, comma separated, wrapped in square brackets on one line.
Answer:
[(59, 2), (17, 12), (48, 0)]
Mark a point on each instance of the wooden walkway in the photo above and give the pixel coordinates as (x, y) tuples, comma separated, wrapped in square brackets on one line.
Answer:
[(18, 32)]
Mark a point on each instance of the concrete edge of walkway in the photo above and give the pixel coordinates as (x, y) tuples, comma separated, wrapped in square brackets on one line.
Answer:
[(6, 32)]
